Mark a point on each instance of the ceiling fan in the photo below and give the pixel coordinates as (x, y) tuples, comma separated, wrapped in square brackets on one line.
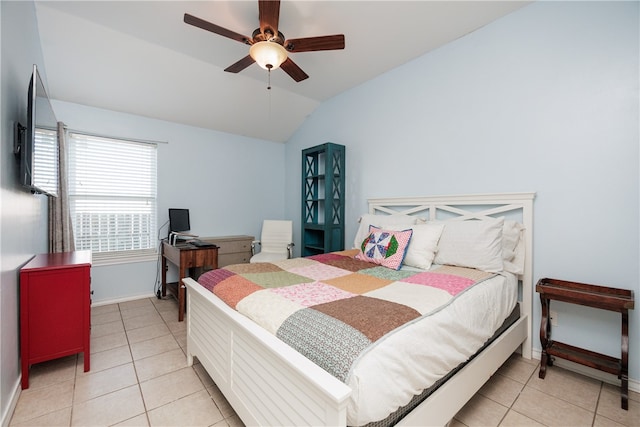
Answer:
[(269, 48)]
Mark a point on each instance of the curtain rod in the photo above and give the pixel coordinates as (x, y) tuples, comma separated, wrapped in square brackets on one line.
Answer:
[(142, 141)]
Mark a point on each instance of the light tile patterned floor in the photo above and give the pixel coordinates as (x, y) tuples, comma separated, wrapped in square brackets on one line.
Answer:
[(139, 377)]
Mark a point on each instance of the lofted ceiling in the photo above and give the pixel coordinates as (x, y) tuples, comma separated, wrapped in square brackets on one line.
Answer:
[(139, 57)]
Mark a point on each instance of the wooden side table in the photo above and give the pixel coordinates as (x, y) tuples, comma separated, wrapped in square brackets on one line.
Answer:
[(185, 256), (602, 297)]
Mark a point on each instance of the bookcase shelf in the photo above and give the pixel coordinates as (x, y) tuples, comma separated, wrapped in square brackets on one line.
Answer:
[(323, 192)]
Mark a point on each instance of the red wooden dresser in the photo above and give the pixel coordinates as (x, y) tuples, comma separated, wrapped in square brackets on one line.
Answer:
[(55, 308)]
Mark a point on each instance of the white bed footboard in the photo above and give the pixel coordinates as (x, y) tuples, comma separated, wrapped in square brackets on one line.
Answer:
[(265, 381)]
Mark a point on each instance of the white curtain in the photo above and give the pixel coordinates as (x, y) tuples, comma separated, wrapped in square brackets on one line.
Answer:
[(60, 228)]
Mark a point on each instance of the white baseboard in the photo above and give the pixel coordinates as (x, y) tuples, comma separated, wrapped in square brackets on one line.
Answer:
[(118, 300), (15, 395), (634, 384)]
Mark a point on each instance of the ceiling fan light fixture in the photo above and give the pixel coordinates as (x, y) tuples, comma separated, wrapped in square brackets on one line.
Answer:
[(268, 55)]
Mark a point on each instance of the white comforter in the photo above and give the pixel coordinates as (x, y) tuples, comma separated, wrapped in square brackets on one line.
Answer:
[(387, 336), (387, 376)]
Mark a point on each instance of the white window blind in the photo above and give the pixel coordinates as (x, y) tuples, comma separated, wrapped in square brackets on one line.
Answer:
[(45, 159), (112, 196)]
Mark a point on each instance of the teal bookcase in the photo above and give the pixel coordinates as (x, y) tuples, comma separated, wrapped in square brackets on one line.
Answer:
[(323, 191)]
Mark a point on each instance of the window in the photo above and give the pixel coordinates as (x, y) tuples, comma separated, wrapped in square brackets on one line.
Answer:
[(112, 197), (45, 160)]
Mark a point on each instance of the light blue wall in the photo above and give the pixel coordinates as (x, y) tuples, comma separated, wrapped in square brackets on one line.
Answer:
[(23, 220), (229, 183), (545, 100)]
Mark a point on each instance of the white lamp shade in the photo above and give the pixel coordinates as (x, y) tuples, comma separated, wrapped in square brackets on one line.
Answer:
[(268, 54)]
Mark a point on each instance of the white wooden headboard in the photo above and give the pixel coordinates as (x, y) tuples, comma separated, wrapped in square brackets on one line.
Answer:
[(475, 206)]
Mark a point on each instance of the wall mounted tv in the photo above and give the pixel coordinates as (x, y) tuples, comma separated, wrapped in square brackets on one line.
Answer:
[(38, 148)]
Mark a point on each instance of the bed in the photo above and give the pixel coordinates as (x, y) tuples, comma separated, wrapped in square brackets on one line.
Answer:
[(267, 382)]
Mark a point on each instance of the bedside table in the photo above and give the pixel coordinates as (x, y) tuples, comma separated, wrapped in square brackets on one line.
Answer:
[(601, 297)]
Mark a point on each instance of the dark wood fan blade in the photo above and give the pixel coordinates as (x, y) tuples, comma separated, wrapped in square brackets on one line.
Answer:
[(269, 15), (293, 70), (205, 25), (309, 44), (240, 65)]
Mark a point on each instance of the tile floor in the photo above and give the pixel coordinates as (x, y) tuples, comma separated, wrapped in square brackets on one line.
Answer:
[(139, 377)]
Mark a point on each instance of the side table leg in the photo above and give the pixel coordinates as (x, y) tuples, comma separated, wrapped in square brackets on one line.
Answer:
[(624, 361), (545, 333)]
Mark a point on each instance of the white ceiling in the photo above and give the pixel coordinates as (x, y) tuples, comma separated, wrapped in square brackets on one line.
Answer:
[(139, 57)]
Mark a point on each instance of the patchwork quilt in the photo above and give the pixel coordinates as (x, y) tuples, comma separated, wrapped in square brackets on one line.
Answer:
[(333, 308)]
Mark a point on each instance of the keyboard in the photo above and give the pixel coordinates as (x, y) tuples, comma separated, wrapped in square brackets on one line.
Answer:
[(201, 244)]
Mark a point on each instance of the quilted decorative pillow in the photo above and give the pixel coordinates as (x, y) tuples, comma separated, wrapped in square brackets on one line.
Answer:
[(385, 247), (381, 221)]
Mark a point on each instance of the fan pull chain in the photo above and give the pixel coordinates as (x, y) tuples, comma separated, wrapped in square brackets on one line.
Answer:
[(269, 66), (269, 115)]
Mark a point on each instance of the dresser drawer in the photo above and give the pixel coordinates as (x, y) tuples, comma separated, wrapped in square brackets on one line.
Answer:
[(232, 246), (234, 258), (232, 249)]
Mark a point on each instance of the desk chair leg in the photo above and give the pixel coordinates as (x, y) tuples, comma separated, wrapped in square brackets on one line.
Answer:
[(290, 249)]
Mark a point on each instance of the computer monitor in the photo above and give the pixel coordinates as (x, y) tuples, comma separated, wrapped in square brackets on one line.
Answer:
[(179, 220)]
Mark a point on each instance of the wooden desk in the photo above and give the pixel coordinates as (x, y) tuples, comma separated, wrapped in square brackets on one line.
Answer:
[(185, 257), (602, 297)]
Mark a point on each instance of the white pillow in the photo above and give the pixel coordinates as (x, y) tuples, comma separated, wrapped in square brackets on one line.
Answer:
[(423, 245), (380, 221), (513, 247), (511, 232), (473, 243)]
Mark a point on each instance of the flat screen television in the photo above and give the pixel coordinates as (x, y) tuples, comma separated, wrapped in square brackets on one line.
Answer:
[(179, 220), (39, 148)]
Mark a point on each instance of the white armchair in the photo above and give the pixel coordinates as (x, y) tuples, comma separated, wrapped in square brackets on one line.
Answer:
[(276, 241)]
